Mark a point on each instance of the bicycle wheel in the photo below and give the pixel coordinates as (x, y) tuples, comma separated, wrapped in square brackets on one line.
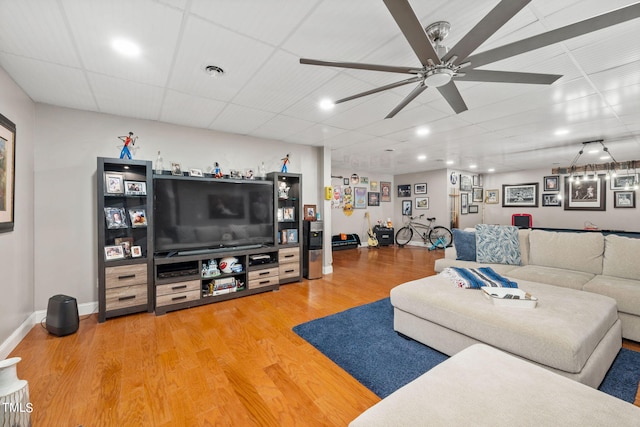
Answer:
[(440, 237), (403, 236)]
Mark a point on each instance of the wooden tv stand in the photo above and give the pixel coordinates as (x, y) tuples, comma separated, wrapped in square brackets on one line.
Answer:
[(179, 282)]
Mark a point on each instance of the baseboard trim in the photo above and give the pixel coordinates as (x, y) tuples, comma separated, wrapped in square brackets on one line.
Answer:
[(34, 319)]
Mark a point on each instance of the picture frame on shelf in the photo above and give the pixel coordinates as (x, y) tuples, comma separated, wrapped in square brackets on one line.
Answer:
[(585, 195), (136, 251), (373, 198), (113, 183), (385, 191), (476, 195), (551, 199), (115, 218), (135, 188), (473, 209), (309, 212), (292, 235), (492, 197), (126, 243), (624, 199), (624, 181), (464, 203), (360, 198), (420, 188), (289, 213), (520, 195), (8, 181), (551, 183), (280, 214), (422, 203), (138, 218), (404, 190), (196, 172), (113, 252), (407, 208), (176, 169)]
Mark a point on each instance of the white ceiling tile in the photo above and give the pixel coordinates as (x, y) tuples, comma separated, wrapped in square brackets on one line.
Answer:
[(125, 98), (314, 135), (241, 120), (188, 110), (280, 127)]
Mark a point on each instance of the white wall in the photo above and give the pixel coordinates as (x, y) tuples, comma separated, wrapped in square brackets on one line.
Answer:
[(17, 247), (357, 223), (67, 145), (556, 217)]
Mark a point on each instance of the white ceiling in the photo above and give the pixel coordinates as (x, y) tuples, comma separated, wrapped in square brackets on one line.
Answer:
[(59, 53)]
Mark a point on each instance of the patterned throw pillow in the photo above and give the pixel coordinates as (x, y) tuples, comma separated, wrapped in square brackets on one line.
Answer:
[(497, 244), (465, 244)]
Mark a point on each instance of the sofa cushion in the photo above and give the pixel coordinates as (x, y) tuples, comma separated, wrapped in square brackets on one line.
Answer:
[(523, 237), (551, 276), (465, 243), (626, 292), (497, 244), (571, 251), (620, 257)]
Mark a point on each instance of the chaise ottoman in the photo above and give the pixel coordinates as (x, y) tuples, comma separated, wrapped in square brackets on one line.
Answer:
[(482, 386), (573, 333)]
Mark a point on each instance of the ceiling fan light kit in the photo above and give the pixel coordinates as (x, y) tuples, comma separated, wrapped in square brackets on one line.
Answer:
[(440, 66)]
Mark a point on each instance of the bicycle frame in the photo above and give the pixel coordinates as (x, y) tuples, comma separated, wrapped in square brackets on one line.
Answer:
[(419, 228)]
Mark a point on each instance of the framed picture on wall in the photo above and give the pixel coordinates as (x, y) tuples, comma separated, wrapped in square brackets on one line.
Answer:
[(373, 198), (552, 183), (551, 199), (385, 191), (492, 196), (407, 208), (465, 183), (420, 188), (624, 199), (585, 195), (624, 182), (520, 195), (464, 203), (7, 173), (404, 190), (422, 203), (360, 198), (477, 194), (473, 209)]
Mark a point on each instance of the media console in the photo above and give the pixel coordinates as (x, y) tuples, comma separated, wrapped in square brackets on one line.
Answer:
[(184, 281)]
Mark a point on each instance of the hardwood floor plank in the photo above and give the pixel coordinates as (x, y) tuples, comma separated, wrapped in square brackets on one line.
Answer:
[(233, 363)]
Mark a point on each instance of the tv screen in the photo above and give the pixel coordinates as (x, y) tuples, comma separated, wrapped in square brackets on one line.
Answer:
[(199, 213)]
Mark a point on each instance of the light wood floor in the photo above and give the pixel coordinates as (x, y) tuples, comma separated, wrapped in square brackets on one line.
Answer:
[(235, 363)]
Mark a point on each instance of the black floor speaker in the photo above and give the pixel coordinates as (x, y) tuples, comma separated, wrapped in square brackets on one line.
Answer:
[(62, 315)]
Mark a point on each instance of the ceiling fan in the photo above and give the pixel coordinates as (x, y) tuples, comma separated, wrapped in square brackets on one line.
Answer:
[(440, 67)]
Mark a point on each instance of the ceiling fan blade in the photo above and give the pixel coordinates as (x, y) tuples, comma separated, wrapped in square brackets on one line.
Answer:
[(508, 77), (414, 93), (361, 66), (555, 36), (379, 89), (492, 22), (452, 96), (412, 30)]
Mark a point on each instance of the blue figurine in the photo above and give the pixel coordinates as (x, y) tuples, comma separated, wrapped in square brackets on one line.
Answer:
[(130, 139), (285, 160)]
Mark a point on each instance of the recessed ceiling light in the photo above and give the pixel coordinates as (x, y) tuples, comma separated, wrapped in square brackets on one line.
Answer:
[(473, 166), (561, 132), (126, 47), (491, 170), (423, 131), (449, 162), (327, 104), (422, 157), (593, 151)]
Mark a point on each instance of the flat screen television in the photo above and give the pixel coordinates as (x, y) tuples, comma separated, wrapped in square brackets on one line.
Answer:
[(199, 214)]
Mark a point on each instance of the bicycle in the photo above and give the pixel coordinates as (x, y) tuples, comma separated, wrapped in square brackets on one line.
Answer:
[(438, 236)]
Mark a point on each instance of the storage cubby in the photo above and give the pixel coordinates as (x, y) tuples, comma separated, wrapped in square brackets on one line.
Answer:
[(125, 243)]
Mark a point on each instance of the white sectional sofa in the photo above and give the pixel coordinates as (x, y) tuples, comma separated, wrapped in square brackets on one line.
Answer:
[(587, 261)]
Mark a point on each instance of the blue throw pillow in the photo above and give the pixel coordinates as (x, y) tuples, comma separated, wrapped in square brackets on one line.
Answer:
[(465, 243), (498, 244)]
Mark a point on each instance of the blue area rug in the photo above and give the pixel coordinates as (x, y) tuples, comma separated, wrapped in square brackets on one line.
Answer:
[(362, 341)]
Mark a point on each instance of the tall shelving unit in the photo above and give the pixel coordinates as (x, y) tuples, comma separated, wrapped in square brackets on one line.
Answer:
[(288, 231), (125, 237)]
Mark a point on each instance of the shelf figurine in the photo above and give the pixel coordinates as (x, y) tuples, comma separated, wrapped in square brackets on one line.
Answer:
[(217, 172), (127, 140), (159, 164), (285, 161)]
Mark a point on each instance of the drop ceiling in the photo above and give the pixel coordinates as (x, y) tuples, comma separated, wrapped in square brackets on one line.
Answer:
[(59, 53)]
